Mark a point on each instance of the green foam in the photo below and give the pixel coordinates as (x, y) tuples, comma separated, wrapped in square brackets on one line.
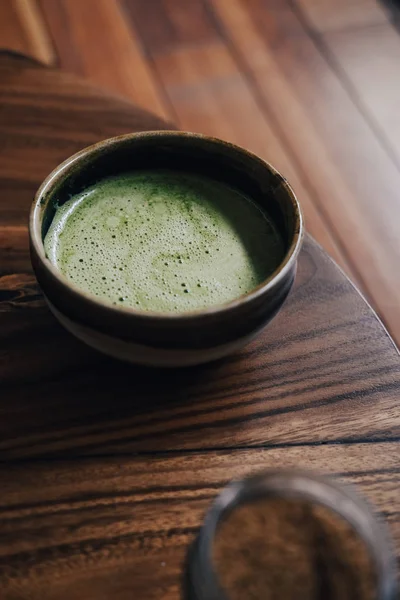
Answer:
[(163, 241)]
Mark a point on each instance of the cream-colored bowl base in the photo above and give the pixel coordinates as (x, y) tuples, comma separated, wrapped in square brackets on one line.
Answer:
[(146, 355)]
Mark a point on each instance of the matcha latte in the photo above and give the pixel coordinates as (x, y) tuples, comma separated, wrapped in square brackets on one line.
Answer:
[(163, 241)]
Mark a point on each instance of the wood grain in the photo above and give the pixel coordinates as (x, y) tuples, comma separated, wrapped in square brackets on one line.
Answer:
[(22, 29), (372, 55), (337, 152), (44, 119), (165, 25), (208, 92), (93, 39), (325, 359), (100, 529), (106, 470), (329, 15), (14, 249)]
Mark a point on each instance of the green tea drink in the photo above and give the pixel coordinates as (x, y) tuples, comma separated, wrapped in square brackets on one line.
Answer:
[(163, 241)]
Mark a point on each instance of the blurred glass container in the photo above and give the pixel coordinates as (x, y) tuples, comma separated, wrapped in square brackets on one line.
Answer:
[(201, 581)]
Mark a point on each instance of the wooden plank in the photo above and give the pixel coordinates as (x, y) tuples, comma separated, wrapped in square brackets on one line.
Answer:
[(370, 58), (332, 15), (169, 24), (93, 39), (121, 528), (355, 182), (36, 134), (324, 360), (14, 250), (23, 29), (210, 95)]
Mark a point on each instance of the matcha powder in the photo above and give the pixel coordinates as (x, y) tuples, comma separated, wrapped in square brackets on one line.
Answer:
[(281, 549)]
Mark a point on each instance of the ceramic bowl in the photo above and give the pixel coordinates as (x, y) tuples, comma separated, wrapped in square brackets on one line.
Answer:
[(163, 339)]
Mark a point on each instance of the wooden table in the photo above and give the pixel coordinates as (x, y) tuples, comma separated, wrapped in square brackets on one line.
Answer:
[(107, 469)]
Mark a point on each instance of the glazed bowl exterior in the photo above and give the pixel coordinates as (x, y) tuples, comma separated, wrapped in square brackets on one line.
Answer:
[(166, 339)]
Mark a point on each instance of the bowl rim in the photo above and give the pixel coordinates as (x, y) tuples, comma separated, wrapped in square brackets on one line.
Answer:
[(36, 213)]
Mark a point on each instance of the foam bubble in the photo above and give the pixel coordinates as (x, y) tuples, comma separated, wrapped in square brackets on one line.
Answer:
[(163, 241)]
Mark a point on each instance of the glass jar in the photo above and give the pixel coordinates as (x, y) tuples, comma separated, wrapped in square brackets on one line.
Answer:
[(201, 582)]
